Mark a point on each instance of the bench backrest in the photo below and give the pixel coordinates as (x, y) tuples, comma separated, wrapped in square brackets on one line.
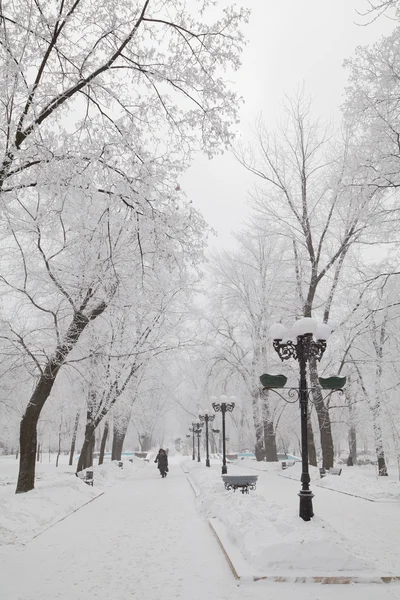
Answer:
[(333, 471)]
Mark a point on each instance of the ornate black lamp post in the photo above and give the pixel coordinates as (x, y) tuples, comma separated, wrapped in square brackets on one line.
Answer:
[(197, 431), (193, 431), (188, 435), (206, 418), (219, 441), (223, 407), (305, 348)]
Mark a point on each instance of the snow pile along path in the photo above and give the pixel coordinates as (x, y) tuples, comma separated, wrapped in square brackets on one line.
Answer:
[(358, 481), (56, 495), (271, 536), (22, 516)]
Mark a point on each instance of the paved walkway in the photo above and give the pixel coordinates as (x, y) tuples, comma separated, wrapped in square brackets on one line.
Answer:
[(143, 539)]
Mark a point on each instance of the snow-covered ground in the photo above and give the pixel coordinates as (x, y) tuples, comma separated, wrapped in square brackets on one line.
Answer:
[(146, 538), (58, 492), (270, 534), (359, 481)]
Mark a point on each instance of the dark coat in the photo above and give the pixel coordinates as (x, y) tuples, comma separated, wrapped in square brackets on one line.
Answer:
[(162, 460)]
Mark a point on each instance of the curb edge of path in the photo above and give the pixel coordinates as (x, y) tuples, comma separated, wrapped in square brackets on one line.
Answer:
[(64, 517), (191, 481)]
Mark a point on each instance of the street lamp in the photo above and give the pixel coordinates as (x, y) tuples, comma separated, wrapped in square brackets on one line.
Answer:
[(219, 440), (192, 429), (206, 418), (305, 348), (223, 407), (197, 431), (188, 435)]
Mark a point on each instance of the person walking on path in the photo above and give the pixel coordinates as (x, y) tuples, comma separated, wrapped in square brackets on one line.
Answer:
[(162, 460)]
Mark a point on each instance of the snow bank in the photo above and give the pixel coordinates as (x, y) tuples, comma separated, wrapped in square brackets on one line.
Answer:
[(109, 473), (22, 516), (56, 495), (271, 537), (358, 481)]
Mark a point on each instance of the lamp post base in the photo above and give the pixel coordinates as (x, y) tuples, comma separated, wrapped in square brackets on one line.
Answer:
[(306, 511), (207, 462), (224, 469)]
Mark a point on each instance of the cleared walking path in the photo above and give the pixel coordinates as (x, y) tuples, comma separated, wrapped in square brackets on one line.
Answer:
[(143, 539)]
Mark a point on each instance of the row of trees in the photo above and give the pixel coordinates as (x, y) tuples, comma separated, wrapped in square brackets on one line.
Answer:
[(101, 251), (101, 109), (322, 241)]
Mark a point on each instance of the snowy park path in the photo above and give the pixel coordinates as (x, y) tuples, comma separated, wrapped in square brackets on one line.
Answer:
[(144, 540)]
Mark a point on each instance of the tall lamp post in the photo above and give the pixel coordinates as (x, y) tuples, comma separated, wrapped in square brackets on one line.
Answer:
[(206, 418), (305, 348), (219, 440), (192, 429), (197, 431), (223, 407), (188, 435)]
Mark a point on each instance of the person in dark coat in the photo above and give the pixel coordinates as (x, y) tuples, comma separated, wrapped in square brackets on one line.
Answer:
[(162, 460)]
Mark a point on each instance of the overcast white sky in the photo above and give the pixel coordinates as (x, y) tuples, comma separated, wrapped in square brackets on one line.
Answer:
[(290, 42)]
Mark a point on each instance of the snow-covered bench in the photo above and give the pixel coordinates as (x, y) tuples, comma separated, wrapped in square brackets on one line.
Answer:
[(87, 476), (287, 463), (242, 482), (331, 471)]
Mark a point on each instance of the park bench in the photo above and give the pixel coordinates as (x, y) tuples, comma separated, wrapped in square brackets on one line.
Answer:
[(231, 457), (287, 463), (331, 471), (242, 482), (87, 476)]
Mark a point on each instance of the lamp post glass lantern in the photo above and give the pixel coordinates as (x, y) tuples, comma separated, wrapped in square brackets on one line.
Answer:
[(302, 350), (206, 418), (223, 407)]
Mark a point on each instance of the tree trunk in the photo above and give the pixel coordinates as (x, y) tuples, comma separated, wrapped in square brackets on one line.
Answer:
[(258, 426), (380, 453), (29, 421), (103, 443), (59, 449), (269, 433), (324, 420), (117, 443), (73, 440), (86, 455), (145, 442), (352, 434), (312, 452), (353, 444), (28, 429)]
